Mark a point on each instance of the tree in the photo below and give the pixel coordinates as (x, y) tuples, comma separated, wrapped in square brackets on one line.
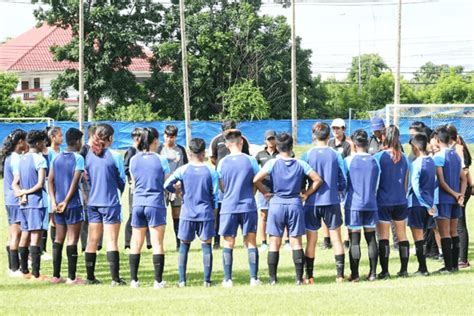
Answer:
[(244, 101), (372, 65), (228, 41), (430, 72), (113, 32), (451, 88)]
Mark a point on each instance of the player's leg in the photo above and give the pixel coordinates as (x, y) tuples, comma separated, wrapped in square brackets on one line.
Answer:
[(61, 230), (112, 231), (73, 235), (275, 229), (14, 235), (128, 224), (206, 232), (312, 224), (443, 221), (157, 235), (228, 230), (249, 231), (175, 212), (370, 220), (383, 230), (94, 233), (403, 247), (455, 242), (136, 244), (273, 257), (186, 235), (298, 257), (327, 237), (263, 230), (296, 229), (35, 253), (23, 251), (287, 245), (418, 219), (217, 237), (332, 217)]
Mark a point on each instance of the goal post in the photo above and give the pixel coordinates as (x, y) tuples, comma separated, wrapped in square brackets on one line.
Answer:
[(48, 120)]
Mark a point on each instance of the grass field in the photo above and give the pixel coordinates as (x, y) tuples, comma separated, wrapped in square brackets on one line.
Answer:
[(442, 294)]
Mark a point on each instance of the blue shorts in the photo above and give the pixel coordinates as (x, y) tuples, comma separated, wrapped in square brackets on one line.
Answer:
[(32, 218), (419, 218), (189, 229), (70, 216), (262, 203), (106, 215), (285, 215), (148, 216), (229, 223), (393, 213), (13, 214), (359, 219), (447, 211), (330, 214)]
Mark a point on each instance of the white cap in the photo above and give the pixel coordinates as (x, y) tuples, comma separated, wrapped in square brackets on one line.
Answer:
[(338, 123)]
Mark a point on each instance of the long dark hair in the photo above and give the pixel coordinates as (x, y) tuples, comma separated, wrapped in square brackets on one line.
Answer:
[(466, 152), (392, 141), (9, 144), (102, 134), (147, 137)]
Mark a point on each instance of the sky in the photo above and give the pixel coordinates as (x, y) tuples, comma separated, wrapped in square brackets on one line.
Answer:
[(440, 31)]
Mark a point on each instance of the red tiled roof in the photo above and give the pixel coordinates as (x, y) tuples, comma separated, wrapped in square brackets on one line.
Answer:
[(30, 51)]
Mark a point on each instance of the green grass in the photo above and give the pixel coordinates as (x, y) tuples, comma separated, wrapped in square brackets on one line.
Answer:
[(451, 294)]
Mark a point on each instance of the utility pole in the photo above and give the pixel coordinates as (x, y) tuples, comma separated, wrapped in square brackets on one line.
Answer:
[(80, 112), (396, 97), (187, 114), (294, 110), (359, 76)]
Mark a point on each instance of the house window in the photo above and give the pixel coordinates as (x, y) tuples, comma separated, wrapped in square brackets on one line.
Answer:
[(37, 83), (25, 85)]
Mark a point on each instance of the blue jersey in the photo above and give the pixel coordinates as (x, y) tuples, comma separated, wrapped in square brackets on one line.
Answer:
[(331, 167), (451, 163), (106, 175), (237, 172), (200, 188), (422, 185), (392, 190), (149, 171), (287, 177), (64, 166), (28, 169), (362, 184), (10, 168)]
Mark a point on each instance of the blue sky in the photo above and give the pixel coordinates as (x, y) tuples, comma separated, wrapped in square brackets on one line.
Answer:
[(440, 31)]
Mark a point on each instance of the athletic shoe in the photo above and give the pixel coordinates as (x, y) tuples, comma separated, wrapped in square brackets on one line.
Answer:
[(263, 247), (227, 283), (383, 276), (353, 279), (159, 285), (120, 282), (40, 278), (134, 284), (46, 256), (464, 265), (273, 282), (27, 275), (56, 280), (255, 282), (347, 244), (340, 279), (182, 284), (15, 274), (93, 282), (443, 270), (308, 280), (287, 246), (402, 274), (420, 273), (206, 284), (216, 246), (299, 282), (76, 281), (371, 277)]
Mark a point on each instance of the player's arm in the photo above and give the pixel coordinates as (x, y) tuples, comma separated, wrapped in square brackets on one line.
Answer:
[(121, 178), (415, 185), (39, 185), (444, 185), (62, 206), (52, 189), (463, 177), (172, 184), (317, 182), (16, 185)]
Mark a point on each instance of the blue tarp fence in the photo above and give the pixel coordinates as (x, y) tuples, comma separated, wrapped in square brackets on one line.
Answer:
[(253, 130)]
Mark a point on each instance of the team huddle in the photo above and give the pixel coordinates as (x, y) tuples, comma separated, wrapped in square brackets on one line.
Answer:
[(365, 183)]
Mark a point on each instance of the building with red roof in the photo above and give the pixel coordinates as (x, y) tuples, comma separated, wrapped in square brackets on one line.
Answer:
[(30, 58)]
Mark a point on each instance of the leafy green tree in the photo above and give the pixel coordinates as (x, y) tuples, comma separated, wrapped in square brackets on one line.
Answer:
[(372, 65), (244, 101), (114, 32), (451, 88), (134, 112), (430, 72), (228, 41)]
